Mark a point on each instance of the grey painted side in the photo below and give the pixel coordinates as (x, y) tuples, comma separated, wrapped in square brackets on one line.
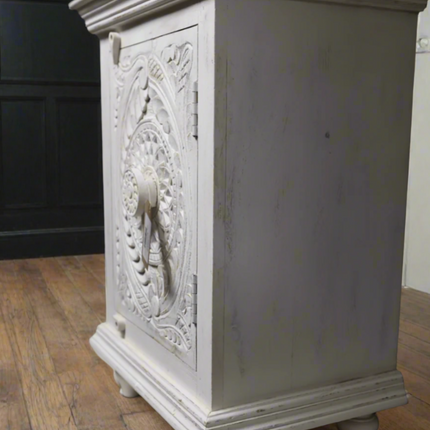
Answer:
[(314, 166)]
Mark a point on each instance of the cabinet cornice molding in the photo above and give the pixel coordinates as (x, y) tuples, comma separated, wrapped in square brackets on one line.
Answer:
[(396, 5), (101, 16)]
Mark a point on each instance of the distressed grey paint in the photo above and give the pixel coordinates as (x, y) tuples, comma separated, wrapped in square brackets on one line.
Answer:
[(316, 157)]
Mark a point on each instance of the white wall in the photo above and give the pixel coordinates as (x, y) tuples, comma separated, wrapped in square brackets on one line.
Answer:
[(416, 273)]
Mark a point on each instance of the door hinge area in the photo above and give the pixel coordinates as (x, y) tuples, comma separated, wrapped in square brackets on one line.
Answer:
[(192, 296), (195, 110)]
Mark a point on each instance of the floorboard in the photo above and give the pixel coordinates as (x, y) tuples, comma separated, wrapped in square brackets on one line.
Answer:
[(50, 379)]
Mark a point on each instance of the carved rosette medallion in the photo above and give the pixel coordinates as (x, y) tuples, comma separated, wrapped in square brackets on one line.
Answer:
[(152, 135)]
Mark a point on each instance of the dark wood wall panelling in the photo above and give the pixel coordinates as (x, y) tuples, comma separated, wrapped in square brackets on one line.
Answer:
[(51, 200)]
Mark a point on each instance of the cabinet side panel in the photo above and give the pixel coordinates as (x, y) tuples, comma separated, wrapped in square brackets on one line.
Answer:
[(317, 138)]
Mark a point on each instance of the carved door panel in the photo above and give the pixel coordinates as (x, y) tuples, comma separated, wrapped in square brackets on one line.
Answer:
[(155, 167)]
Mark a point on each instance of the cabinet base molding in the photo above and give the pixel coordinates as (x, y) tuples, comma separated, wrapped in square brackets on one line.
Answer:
[(340, 403)]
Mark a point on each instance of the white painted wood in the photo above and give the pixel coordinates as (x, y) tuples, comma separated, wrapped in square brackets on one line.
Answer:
[(126, 389), (288, 122), (108, 183), (115, 46), (315, 193), (407, 5), (176, 371), (101, 16), (417, 249), (302, 410), (210, 298), (369, 422)]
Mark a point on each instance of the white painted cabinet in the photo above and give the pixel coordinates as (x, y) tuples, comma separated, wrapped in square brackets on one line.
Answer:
[(255, 175)]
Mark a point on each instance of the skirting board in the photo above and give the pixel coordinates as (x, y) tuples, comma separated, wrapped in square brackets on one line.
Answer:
[(300, 411), (51, 242)]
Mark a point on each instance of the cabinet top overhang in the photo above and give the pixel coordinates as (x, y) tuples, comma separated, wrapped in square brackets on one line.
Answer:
[(102, 16)]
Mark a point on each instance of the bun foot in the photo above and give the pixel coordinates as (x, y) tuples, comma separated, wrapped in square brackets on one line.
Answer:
[(126, 389), (367, 422)]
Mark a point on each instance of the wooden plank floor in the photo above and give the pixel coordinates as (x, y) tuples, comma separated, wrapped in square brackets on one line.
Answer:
[(50, 379)]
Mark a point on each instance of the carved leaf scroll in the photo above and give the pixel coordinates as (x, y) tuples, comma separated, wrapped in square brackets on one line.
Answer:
[(149, 133)]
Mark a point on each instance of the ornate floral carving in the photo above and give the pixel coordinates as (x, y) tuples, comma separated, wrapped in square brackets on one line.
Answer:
[(179, 60), (149, 134), (130, 197)]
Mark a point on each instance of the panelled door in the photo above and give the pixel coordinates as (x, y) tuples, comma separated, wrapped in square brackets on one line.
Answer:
[(154, 90), (50, 140)]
